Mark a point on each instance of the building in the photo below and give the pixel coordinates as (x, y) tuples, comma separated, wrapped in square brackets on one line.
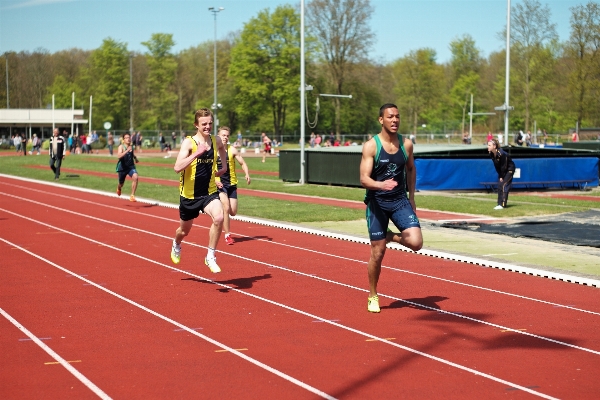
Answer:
[(40, 121)]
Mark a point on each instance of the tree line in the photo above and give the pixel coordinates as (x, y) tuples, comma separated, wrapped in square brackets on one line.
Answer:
[(553, 85)]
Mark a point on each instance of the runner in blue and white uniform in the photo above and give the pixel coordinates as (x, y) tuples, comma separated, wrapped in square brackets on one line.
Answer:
[(387, 171)]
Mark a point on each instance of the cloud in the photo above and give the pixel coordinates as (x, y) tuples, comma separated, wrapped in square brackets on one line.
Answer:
[(34, 3)]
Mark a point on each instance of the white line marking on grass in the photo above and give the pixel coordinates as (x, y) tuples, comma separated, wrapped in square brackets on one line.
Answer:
[(171, 321), (277, 267), (258, 363), (53, 354), (590, 282)]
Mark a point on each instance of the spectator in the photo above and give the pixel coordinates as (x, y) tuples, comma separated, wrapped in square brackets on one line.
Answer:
[(110, 141), (489, 136), (545, 136), (519, 138), (58, 148), (267, 143), (174, 139), (161, 142), (318, 140), (575, 137), (505, 167), (36, 143), (413, 138), (312, 140), (24, 143), (84, 148), (528, 139)]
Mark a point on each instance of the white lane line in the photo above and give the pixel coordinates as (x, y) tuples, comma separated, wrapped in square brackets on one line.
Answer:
[(89, 384), (570, 307), (314, 317), (169, 238), (171, 321)]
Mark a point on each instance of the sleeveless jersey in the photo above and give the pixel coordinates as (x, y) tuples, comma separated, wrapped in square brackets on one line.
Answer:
[(229, 178), (198, 179), (126, 162), (389, 166)]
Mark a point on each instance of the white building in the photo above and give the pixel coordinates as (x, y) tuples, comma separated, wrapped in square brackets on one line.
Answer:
[(40, 121)]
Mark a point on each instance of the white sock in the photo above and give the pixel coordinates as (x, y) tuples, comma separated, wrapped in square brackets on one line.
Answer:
[(211, 253), (175, 245), (227, 234)]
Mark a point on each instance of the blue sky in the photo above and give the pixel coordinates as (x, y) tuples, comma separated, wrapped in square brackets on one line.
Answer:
[(400, 26)]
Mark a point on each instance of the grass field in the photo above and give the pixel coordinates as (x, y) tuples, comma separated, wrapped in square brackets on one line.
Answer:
[(520, 205)]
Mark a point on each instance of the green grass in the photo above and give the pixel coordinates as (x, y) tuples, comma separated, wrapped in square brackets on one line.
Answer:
[(471, 203)]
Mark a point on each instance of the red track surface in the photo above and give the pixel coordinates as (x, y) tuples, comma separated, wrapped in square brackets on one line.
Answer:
[(294, 304)]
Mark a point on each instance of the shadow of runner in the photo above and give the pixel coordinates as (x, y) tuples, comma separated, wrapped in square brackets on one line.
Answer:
[(237, 283), (429, 301), (249, 238)]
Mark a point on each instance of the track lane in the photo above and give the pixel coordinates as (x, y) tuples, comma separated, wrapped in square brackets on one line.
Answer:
[(288, 255), (106, 331), (328, 370)]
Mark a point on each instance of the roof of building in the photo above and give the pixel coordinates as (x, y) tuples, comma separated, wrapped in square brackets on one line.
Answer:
[(41, 116)]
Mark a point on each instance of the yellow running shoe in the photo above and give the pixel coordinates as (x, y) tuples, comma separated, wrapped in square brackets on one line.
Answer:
[(176, 253), (373, 305), (132, 198), (212, 264)]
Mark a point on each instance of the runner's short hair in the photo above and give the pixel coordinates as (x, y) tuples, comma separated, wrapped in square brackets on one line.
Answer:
[(224, 128), (385, 107), (203, 112)]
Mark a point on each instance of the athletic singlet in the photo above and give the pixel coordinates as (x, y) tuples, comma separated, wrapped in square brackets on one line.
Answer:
[(127, 161), (229, 178), (198, 179), (389, 166)]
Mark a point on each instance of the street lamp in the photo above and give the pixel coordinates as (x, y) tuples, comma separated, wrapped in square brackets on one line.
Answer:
[(131, 93), (215, 105)]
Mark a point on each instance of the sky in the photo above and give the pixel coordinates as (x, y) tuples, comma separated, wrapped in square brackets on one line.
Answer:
[(399, 26)]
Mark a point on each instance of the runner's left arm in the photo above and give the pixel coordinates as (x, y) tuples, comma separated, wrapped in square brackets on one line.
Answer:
[(241, 161), (223, 156), (411, 173)]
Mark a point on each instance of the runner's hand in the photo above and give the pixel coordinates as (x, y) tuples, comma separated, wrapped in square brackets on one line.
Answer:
[(389, 184), (219, 184)]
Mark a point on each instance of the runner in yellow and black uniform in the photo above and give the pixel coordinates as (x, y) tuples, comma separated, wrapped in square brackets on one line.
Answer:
[(227, 183), (197, 164)]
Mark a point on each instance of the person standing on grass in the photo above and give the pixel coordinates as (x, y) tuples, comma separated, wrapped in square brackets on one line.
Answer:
[(58, 149), (197, 164), (267, 143), (126, 165), (227, 183), (110, 141), (387, 171), (505, 167)]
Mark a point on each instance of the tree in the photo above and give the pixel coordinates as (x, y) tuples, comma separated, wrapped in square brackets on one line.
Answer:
[(531, 30), (465, 63), (161, 78), (419, 84), (265, 64), (107, 80), (345, 37), (584, 49)]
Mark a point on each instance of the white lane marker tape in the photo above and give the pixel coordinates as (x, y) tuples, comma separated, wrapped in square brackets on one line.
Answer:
[(368, 335), (54, 355), (595, 283), (430, 253), (41, 338), (285, 269), (171, 321), (55, 362)]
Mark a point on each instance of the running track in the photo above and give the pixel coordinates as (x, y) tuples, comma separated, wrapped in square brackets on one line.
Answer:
[(92, 307)]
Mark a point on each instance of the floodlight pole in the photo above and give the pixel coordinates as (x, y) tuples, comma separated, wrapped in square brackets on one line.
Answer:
[(7, 91), (507, 90), (131, 93), (302, 93), (215, 106), (72, 110)]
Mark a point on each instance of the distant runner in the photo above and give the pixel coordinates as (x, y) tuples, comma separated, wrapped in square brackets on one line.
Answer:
[(227, 183)]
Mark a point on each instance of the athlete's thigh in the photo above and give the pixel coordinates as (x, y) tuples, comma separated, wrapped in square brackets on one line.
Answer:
[(377, 221), (214, 209), (404, 217)]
